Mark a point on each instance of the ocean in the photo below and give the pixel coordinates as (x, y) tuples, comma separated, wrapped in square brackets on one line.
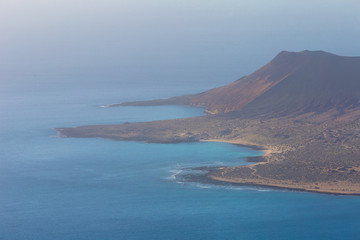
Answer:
[(83, 189)]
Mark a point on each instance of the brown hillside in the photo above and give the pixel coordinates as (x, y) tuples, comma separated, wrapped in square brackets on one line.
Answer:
[(292, 81), (321, 82)]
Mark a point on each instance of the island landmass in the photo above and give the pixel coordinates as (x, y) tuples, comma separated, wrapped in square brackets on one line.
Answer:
[(301, 108)]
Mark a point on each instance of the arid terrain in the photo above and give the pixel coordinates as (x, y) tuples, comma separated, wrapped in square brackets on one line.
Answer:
[(302, 108)]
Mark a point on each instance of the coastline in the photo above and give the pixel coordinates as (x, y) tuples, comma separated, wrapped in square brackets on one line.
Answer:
[(257, 173), (276, 168), (282, 187), (221, 182), (267, 150), (316, 187)]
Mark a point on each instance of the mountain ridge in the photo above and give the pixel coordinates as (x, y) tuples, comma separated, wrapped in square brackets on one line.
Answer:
[(315, 73)]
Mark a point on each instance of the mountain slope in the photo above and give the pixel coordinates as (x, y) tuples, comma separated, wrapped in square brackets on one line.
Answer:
[(322, 82), (292, 81)]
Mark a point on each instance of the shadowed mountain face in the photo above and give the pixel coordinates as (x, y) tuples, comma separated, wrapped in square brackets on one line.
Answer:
[(307, 81), (320, 82)]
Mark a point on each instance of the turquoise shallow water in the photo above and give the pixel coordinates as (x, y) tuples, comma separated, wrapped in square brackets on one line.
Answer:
[(60, 188)]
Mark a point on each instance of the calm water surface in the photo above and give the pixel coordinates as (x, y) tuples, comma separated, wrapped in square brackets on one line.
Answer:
[(60, 188)]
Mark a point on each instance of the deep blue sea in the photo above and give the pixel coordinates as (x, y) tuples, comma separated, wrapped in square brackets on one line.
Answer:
[(82, 189)]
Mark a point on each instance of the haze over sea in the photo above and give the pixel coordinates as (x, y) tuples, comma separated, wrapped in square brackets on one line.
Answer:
[(61, 60)]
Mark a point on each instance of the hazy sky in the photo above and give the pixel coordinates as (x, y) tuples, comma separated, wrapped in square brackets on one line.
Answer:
[(102, 37)]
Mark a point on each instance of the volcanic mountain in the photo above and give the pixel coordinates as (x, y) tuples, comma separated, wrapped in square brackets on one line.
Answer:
[(302, 107), (291, 82)]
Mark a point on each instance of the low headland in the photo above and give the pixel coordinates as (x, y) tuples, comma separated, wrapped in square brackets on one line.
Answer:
[(223, 175)]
